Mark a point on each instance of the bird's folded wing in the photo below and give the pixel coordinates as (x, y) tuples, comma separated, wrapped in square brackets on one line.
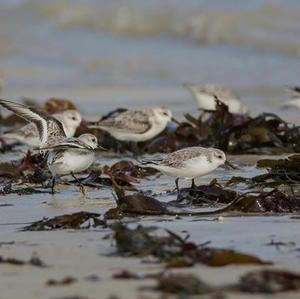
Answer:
[(131, 121), (69, 143)]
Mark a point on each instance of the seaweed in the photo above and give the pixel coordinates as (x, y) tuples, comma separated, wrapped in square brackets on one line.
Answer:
[(33, 261), (211, 194), (173, 250), (138, 203), (234, 133), (182, 284), (269, 281), (254, 282), (125, 274), (78, 220), (285, 170), (20, 190), (267, 133), (63, 282), (226, 201)]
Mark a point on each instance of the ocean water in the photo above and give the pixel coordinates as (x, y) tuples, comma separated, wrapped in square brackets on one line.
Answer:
[(130, 53)]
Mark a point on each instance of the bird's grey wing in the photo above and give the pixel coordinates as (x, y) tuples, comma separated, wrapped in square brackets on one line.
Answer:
[(55, 131), (179, 158), (56, 156), (133, 121), (39, 118), (27, 131)]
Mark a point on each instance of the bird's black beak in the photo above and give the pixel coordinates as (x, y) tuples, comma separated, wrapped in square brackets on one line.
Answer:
[(175, 121), (101, 148), (229, 165), (92, 124)]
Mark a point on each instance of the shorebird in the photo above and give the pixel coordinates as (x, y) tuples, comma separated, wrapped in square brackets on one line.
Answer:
[(295, 102), (72, 156), (205, 97), (29, 134), (135, 125), (189, 163), (51, 131)]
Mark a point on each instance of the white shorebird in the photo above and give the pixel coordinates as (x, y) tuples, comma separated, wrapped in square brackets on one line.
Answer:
[(189, 163), (29, 134), (295, 101), (71, 156), (205, 97), (51, 131), (136, 125)]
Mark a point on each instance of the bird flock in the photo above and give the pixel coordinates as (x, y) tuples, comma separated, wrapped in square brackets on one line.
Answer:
[(52, 135)]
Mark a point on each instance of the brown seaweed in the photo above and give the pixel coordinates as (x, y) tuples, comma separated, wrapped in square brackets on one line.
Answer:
[(63, 282), (254, 282), (211, 195), (282, 170), (236, 134), (269, 281), (78, 220), (174, 250), (34, 261), (182, 284), (226, 201)]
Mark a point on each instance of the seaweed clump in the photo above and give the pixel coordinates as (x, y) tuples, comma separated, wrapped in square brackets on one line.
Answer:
[(254, 282), (173, 250), (78, 220), (241, 134), (234, 133)]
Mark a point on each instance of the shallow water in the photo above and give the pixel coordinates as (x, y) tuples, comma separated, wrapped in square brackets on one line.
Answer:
[(107, 54)]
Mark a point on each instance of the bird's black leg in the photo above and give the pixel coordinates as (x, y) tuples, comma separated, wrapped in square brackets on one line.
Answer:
[(193, 186), (135, 149), (176, 184), (53, 185), (79, 183)]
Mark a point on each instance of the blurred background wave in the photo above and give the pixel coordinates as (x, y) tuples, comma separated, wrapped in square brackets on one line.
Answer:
[(128, 53)]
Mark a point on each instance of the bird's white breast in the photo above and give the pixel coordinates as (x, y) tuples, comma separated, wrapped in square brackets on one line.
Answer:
[(71, 161)]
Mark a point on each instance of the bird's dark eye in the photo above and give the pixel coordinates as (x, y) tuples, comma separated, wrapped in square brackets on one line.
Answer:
[(220, 157), (73, 118), (165, 113), (93, 140)]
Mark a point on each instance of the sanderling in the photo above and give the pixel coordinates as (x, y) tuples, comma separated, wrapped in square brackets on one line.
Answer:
[(295, 101), (71, 156), (51, 130), (205, 97), (29, 134), (189, 163), (136, 125)]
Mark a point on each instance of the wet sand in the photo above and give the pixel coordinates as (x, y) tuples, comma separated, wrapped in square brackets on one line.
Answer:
[(82, 254)]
